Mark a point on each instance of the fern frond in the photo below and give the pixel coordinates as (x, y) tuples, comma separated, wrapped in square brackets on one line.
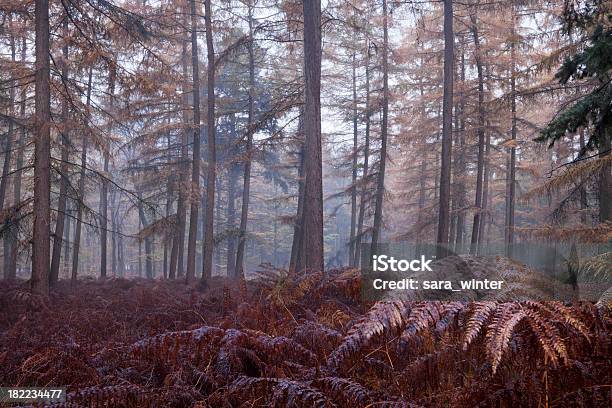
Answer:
[(548, 336), (277, 392), (345, 390), (382, 318), (481, 313), (427, 314), (499, 337), (166, 346)]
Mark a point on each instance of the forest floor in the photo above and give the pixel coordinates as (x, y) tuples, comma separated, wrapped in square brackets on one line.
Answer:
[(298, 340)]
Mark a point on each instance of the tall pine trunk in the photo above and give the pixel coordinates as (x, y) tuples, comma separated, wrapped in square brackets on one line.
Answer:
[(246, 188), (295, 260), (366, 161), (64, 136), (81, 197), (313, 182), (212, 150), (354, 170), (104, 186), (195, 168), (380, 183), (178, 242), (461, 161), (481, 139), (511, 172), (447, 127), (42, 154), (7, 238)]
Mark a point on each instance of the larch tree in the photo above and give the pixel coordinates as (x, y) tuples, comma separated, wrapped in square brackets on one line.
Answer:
[(42, 154), (447, 127), (195, 165), (313, 178), (211, 170)]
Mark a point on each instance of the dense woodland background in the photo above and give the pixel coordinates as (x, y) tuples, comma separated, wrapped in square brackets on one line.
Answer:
[(429, 115), (255, 147)]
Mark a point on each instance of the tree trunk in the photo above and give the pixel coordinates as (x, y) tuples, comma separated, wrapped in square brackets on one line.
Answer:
[(7, 239), (8, 146), (352, 260), (81, 202), (249, 146), (9, 135), (246, 188), (366, 158), (113, 220), (212, 150), (313, 182), (461, 161), (195, 170), (481, 139), (380, 184), (14, 232), (447, 127), (104, 187), (148, 244), (511, 172), (67, 229), (583, 192), (42, 154), (178, 242), (295, 261), (231, 204), (485, 191), (605, 181), (61, 204)]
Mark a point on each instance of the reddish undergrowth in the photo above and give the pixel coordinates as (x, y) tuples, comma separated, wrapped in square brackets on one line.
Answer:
[(298, 340)]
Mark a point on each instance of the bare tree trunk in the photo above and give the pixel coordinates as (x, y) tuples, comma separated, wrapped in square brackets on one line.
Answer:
[(7, 239), (11, 272), (313, 181), (231, 204), (380, 185), (212, 150), (113, 232), (605, 181), (295, 261), (485, 191), (42, 154), (178, 242), (61, 204), (461, 168), (511, 172), (481, 139), (366, 159), (352, 260), (195, 171), (8, 145), (67, 229), (246, 188), (447, 127), (140, 226), (147, 240), (169, 199), (81, 202), (583, 192), (120, 249), (104, 187)]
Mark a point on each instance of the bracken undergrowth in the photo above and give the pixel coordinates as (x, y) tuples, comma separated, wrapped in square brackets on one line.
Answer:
[(298, 340)]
